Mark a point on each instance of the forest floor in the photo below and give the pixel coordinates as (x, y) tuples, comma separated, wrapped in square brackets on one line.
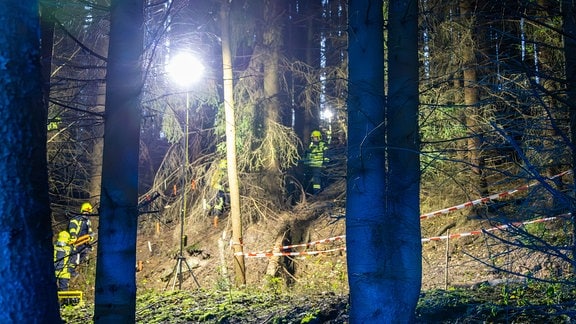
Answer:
[(467, 279)]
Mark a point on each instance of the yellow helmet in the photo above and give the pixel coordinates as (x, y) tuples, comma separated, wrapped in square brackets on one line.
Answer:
[(316, 133), (86, 208), (64, 237)]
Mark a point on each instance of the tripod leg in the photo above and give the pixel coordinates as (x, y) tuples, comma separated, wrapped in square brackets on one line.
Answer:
[(192, 273), (177, 272)]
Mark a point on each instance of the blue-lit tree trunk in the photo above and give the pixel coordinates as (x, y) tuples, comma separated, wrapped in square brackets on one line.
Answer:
[(27, 280), (382, 207), (569, 29), (115, 295)]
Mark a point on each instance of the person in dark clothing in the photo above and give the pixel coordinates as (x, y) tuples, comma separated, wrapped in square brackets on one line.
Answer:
[(81, 233)]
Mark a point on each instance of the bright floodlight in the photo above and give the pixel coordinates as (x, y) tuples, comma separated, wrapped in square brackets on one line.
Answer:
[(185, 69), (326, 114)]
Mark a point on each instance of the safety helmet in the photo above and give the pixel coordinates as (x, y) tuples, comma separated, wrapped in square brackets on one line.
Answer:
[(64, 236), (86, 208), (316, 133)]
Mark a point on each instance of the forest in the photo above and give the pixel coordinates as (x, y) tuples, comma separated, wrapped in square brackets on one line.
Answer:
[(446, 188)]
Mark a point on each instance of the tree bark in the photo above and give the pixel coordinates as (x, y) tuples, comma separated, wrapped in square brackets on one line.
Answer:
[(382, 214), (569, 28), (27, 280), (235, 215), (115, 291), (472, 112), (403, 154)]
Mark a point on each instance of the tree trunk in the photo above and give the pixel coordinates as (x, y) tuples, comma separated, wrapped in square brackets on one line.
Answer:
[(235, 215), (115, 294), (272, 40), (27, 280), (403, 154), (382, 214), (472, 111), (313, 59), (569, 28), (47, 38)]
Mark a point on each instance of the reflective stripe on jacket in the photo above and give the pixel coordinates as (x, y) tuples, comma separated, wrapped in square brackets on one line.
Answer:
[(62, 266), (315, 156), (78, 226)]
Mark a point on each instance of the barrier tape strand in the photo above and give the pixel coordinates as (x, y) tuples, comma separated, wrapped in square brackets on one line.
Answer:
[(499, 227), (484, 200)]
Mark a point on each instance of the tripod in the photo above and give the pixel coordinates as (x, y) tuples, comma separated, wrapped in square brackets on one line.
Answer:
[(178, 272), (178, 269)]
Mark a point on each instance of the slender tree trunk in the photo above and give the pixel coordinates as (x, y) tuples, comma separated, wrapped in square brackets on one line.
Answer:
[(569, 28), (47, 46), (272, 39), (471, 98), (94, 188), (237, 244), (303, 43), (27, 280), (115, 270), (312, 116), (95, 184), (382, 223)]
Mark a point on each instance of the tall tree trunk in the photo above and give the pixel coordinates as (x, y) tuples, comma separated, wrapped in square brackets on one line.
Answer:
[(47, 9), (95, 183), (236, 216), (313, 9), (272, 40), (115, 270), (27, 280), (471, 98), (403, 154), (304, 46), (569, 28), (382, 223)]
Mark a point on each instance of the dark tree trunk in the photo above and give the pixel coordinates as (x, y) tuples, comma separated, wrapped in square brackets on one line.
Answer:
[(27, 279), (382, 213), (115, 295), (569, 28)]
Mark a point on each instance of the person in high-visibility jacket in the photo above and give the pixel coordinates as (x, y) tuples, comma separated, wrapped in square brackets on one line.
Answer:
[(315, 159), (65, 260), (221, 200), (81, 233)]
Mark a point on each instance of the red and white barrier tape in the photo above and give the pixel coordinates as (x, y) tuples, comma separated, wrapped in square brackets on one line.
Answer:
[(270, 254), (500, 227), (286, 247), (264, 254), (331, 239), (424, 240), (486, 199)]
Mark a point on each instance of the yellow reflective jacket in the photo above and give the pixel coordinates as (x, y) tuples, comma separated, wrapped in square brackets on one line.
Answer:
[(63, 257), (315, 156)]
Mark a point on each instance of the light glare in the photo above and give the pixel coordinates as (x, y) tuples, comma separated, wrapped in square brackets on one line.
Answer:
[(185, 69)]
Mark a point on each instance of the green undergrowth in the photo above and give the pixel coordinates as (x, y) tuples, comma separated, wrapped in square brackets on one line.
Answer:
[(203, 306), (527, 302)]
